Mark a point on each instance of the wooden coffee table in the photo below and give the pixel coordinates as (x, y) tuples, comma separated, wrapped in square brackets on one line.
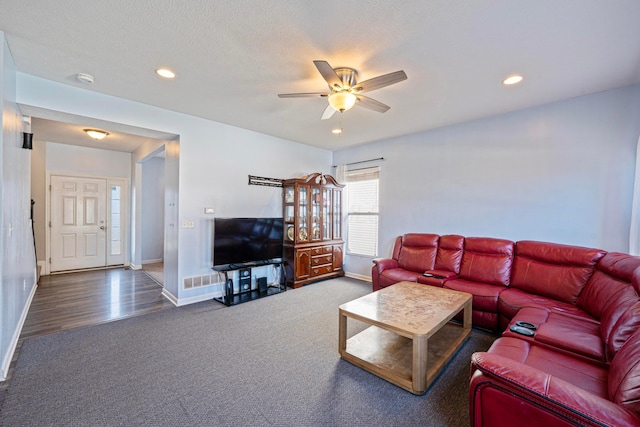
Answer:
[(410, 339)]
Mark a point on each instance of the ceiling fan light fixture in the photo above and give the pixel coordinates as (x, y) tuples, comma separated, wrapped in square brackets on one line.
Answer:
[(336, 131), (342, 101), (96, 134)]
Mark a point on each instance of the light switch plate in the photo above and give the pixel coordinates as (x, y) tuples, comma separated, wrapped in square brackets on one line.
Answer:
[(209, 210)]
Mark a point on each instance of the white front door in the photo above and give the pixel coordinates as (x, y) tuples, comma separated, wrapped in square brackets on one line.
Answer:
[(78, 222)]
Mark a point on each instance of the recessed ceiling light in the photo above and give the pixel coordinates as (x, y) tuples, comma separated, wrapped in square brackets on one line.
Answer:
[(512, 80), (336, 131), (166, 73), (96, 134)]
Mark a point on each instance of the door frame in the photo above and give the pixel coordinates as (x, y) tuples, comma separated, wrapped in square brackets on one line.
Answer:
[(124, 213)]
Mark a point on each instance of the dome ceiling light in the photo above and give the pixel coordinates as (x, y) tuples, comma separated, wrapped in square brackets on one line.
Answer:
[(96, 134)]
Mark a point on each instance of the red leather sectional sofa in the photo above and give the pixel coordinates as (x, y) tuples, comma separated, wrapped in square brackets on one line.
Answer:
[(580, 362)]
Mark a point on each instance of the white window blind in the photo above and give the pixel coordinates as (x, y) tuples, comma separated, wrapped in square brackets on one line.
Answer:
[(362, 214)]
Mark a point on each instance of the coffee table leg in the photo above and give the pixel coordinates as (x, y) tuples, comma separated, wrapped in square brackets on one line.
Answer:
[(342, 333), (420, 351), (467, 316)]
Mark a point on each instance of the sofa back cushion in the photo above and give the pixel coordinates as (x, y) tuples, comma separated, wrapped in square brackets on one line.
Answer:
[(626, 324), (418, 252), (449, 256), (624, 375), (553, 270), (611, 283), (487, 260)]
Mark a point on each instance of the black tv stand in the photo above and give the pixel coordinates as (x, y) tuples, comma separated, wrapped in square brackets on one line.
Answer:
[(231, 297)]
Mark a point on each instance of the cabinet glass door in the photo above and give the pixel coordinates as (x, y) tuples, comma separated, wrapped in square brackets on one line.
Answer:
[(289, 215), (303, 214), (316, 201), (326, 214), (337, 214)]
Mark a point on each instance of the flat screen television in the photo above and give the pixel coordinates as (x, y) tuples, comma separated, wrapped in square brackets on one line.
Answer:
[(241, 242)]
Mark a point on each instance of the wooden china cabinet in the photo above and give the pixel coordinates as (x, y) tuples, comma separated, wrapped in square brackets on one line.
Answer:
[(313, 245)]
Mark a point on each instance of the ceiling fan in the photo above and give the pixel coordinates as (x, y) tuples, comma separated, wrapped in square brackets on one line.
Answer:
[(345, 90)]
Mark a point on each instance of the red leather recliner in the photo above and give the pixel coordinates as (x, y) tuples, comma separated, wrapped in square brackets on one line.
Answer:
[(520, 383), (413, 254)]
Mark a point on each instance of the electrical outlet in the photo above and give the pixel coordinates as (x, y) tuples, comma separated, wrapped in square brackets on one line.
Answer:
[(188, 224)]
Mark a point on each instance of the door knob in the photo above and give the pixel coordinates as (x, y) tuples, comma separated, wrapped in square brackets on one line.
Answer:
[(102, 227)]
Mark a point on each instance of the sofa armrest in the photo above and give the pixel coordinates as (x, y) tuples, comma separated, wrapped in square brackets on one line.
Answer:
[(383, 264), (511, 390)]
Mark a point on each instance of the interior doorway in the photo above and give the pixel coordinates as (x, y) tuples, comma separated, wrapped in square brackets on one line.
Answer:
[(152, 201)]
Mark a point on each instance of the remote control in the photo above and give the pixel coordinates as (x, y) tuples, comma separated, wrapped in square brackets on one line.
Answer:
[(522, 331), (526, 325)]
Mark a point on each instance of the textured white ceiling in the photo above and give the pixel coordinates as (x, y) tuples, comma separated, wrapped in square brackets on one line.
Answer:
[(233, 57)]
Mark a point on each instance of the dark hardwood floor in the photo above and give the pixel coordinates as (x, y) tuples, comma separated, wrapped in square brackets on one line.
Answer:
[(72, 300)]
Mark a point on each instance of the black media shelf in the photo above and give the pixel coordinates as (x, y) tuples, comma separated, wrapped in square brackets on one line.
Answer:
[(248, 296), (232, 298)]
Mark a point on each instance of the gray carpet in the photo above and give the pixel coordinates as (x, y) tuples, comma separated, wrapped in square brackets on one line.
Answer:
[(270, 362)]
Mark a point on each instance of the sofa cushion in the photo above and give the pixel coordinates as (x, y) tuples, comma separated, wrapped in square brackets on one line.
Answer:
[(592, 377), (418, 252), (610, 284), (395, 275), (553, 270), (567, 333), (572, 334), (487, 260), (484, 302), (449, 256), (627, 324), (624, 375), (485, 297), (605, 294), (512, 300)]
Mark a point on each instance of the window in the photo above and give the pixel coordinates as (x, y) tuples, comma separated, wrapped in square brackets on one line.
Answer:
[(362, 213)]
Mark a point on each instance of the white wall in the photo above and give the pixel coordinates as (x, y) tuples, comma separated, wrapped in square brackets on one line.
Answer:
[(17, 258), (152, 210), (39, 195), (214, 163), (561, 172), (77, 160)]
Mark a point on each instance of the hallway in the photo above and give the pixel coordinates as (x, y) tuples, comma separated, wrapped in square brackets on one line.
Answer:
[(73, 300)]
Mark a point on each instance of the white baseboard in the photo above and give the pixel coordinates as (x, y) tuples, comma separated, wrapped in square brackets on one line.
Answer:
[(168, 295), (6, 361), (362, 277), (215, 290), (135, 266), (152, 261)]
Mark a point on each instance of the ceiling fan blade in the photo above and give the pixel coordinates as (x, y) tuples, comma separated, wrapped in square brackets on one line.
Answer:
[(328, 74), (380, 81), (328, 112), (301, 95), (372, 104)]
